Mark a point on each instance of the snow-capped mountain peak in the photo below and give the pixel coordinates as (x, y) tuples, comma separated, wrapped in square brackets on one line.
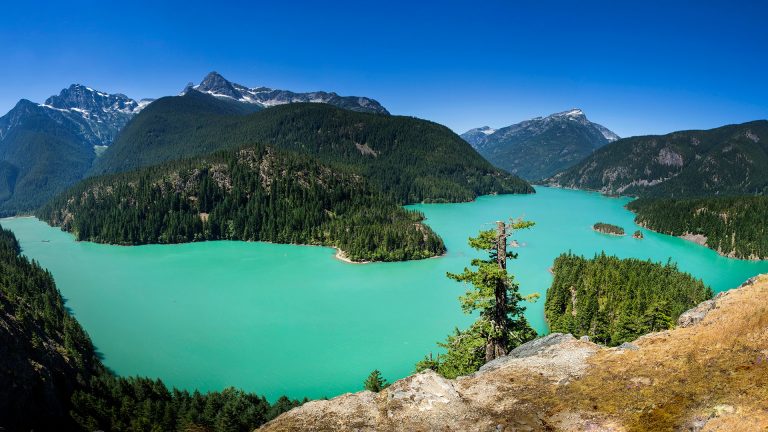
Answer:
[(216, 85), (538, 147), (85, 99), (94, 115)]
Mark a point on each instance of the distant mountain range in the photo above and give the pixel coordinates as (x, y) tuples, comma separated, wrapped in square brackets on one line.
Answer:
[(216, 85), (47, 147), (197, 167), (538, 148), (727, 160)]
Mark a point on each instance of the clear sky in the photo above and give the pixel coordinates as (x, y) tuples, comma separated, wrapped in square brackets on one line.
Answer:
[(636, 67)]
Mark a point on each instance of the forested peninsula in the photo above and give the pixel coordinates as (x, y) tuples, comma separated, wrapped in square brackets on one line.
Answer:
[(615, 300), (253, 193)]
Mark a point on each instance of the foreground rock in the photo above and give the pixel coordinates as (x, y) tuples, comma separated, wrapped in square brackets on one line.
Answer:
[(711, 375)]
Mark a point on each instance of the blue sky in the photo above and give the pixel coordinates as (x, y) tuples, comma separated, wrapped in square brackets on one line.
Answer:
[(636, 67)]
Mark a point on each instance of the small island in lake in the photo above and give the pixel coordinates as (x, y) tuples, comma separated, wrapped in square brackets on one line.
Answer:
[(638, 235), (606, 228)]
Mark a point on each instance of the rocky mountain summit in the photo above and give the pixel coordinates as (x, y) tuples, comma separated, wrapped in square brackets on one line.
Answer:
[(46, 147), (539, 147), (709, 374), (94, 116), (216, 85)]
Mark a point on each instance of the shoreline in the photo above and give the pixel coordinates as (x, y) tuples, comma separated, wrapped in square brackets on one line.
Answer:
[(697, 239), (339, 254)]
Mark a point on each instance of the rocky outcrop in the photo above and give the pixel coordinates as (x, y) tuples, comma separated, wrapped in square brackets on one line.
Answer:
[(696, 314), (703, 376)]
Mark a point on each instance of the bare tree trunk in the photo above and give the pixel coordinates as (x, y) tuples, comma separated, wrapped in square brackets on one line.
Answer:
[(497, 344)]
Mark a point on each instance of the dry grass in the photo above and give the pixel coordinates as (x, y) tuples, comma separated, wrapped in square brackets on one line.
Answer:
[(677, 376)]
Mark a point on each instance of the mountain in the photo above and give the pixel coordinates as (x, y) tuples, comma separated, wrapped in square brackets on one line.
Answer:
[(410, 159), (102, 115), (47, 147), (44, 148), (538, 148), (216, 85), (478, 135), (727, 160)]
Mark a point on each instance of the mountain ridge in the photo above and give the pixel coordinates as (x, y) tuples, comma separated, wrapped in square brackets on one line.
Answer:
[(415, 160), (727, 160), (216, 85), (46, 147)]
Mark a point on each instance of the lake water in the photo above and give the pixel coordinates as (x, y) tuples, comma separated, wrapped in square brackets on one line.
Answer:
[(282, 319)]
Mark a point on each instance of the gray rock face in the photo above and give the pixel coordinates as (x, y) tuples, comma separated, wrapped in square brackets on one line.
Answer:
[(626, 346), (216, 85), (695, 315), (529, 349), (95, 115)]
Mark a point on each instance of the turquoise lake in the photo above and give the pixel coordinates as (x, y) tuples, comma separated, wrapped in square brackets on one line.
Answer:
[(284, 319)]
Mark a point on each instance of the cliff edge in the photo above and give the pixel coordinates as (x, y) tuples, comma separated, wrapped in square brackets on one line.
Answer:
[(708, 374)]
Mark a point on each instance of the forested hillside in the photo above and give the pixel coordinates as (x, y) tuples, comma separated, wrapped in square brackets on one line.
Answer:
[(410, 159), (52, 379), (253, 193), (40, 155), (728, 160), (734, 226), (616, 300)]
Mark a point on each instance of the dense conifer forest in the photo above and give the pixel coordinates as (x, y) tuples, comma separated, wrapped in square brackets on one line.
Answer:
[(734, 226), (253, 193), (616, 300), (410, 159), (729, 160), (51, 377)]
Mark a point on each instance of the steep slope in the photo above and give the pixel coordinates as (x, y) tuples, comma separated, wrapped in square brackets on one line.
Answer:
[(734, 226), (52, 379), (411, 159), (218, 86), (252, 193), (709, 374), (171, 128), (45, 148), (538, 148), (44, 353), (727, 160)]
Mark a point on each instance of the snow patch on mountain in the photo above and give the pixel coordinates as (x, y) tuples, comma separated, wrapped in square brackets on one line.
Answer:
[(216, 85)]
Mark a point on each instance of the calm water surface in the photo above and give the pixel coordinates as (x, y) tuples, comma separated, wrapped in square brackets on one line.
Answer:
[(282, 319)]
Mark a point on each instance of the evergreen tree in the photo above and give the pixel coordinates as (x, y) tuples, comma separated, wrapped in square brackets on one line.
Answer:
[(375, 382), (494, 293)]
